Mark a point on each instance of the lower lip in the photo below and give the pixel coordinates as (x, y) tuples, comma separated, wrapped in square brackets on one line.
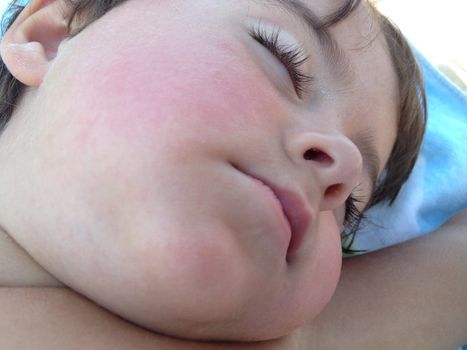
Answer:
[(278, 211), (299, 222)]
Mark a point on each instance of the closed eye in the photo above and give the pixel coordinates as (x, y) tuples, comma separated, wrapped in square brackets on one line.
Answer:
[(292, 57)]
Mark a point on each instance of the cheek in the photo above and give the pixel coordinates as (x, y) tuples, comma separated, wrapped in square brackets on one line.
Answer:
[(190, 261), (328, 255), (151, 95), (317, 272)]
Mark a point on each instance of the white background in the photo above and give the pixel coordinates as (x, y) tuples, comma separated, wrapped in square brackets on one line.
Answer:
[(437, 28), (2, 5)]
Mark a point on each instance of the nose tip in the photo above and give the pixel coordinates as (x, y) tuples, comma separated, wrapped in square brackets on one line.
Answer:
[(332, 159)]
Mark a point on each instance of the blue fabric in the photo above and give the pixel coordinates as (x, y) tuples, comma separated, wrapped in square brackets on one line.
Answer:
[(437, 188), (446, 149)]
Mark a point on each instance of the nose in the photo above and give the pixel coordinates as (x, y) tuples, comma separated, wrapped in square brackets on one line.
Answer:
[(332, 159)]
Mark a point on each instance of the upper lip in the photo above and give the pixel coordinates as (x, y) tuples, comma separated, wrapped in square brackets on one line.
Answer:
[(294, 209)]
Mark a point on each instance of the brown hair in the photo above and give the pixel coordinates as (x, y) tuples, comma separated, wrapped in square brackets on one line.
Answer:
[(412, 103), (412, 114)]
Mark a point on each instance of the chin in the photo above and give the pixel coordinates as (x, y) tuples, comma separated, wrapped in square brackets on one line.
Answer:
[(213, 290), (229, 309)]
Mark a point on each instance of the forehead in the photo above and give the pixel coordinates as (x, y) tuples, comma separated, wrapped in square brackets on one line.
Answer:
[(378, 94), (366, 78)]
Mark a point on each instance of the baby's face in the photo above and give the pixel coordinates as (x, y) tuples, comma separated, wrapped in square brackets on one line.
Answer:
[(173, 174)]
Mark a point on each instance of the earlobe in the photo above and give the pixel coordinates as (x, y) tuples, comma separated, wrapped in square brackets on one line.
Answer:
[(31, 43)]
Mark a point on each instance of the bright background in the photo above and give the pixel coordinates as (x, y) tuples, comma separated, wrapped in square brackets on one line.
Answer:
[(437, 28), (2, 5)]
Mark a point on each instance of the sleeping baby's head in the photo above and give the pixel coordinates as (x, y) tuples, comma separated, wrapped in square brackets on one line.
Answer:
[(190, 165)]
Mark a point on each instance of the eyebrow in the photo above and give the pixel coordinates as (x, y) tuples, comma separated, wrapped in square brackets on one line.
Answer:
[(339, 62)]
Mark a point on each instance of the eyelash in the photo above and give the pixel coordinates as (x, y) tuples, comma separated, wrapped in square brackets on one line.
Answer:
[(352, 221), (292, 57), (352, 213)]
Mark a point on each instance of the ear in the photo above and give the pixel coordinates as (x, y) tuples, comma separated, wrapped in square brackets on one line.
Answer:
[(31, 43)]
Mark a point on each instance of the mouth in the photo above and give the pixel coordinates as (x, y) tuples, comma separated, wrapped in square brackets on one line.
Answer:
[(293, 208)]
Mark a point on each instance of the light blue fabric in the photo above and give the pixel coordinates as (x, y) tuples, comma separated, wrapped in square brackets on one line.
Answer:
[(437, 188)]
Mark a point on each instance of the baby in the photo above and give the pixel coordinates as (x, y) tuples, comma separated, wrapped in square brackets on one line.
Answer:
[(190, 165)]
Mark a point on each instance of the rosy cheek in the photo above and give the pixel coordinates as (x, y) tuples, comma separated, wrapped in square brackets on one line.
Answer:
[(144, 91)]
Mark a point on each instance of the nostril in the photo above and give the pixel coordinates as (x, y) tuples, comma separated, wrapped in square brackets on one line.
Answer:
[(317, 155), (333, 191)]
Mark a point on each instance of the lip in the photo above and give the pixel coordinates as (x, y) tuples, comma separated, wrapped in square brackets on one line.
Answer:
[(294, 210)]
